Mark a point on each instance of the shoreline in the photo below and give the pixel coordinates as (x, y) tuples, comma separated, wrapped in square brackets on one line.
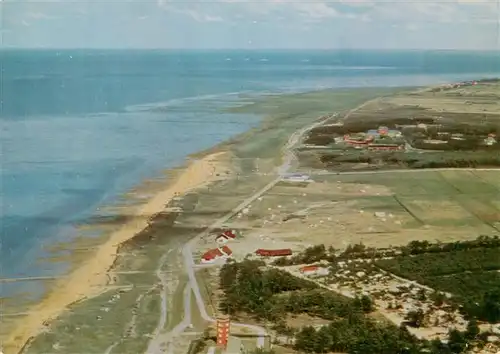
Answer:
[(88, 279), (107, 252)]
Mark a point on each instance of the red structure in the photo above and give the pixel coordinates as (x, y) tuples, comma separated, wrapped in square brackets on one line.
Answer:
[(354, 142), (225, 236), (226, 250), (223, 327), (309, 269), (212, 254), (215, 253), (229, 234), (273, 253)]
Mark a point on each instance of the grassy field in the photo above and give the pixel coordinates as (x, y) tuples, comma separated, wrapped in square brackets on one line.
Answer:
[(436, 198)]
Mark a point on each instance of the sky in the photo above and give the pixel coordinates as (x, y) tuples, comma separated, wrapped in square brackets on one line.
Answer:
[(245, 24)]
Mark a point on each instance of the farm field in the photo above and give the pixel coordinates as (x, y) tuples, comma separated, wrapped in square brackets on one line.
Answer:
[(376, 209), (442, 199)]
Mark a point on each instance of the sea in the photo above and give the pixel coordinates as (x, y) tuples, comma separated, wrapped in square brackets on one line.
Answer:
[(81, 127)]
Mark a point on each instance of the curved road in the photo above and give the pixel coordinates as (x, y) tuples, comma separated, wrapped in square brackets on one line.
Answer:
[(189, 263)]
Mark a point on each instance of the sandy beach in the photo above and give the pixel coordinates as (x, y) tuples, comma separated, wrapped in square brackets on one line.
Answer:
[(89, 279)]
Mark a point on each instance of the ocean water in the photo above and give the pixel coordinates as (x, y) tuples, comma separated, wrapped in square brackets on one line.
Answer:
[(81, 127)]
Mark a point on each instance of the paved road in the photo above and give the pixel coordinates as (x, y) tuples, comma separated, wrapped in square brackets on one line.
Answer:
[(155, 343), (288, 159)]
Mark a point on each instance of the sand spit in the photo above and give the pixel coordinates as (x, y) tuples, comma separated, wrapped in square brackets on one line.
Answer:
[(89, 279)]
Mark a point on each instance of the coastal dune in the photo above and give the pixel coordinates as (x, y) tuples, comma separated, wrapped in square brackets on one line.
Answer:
[(90, 278)]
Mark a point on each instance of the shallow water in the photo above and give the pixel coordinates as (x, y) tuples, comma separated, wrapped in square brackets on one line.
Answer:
[(79, 128)]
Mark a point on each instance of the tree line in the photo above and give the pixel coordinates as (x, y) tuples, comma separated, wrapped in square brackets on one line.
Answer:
[(441, 159)]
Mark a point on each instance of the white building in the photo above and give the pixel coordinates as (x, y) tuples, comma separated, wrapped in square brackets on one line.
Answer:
[(297, 177)]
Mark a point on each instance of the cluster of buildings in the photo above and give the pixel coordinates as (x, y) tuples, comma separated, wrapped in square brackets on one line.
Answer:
[(223, 252), (382, 138), (445, 137)]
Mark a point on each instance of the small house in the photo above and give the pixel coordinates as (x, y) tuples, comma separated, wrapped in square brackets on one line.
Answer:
[(490, 140), (314, 270), (297, 177), (274, 253), (216, 253), (226, 251), (225, 236)]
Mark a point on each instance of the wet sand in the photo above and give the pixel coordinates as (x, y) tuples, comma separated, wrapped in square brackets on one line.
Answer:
[(91, 277)]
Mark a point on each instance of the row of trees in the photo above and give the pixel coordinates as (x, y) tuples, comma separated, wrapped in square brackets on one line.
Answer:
[(419, 247), (475, 143), (426, 265), (320, 253), (442, 159)]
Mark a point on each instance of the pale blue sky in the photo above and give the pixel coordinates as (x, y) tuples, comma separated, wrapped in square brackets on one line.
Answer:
[(448, 24)]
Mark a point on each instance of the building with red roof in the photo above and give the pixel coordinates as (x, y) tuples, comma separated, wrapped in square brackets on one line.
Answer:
[(226, 250), (225, 236), (274, 253), (216, 253), (314, 270)]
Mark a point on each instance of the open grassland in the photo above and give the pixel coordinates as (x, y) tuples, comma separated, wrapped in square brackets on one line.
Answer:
[(437, 198), (376, 209)]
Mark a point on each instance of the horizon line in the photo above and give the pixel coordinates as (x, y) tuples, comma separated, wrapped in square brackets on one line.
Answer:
[(252, 49)]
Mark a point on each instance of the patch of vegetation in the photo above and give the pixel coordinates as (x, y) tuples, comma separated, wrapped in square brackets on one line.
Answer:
[(421, 247), (320, 253), (441, 159), (356, 334), (310, 255), (468, 270), (438, 264), (269, 293)]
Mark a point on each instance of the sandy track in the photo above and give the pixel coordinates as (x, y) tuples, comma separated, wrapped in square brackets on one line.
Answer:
[(89, 279)]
